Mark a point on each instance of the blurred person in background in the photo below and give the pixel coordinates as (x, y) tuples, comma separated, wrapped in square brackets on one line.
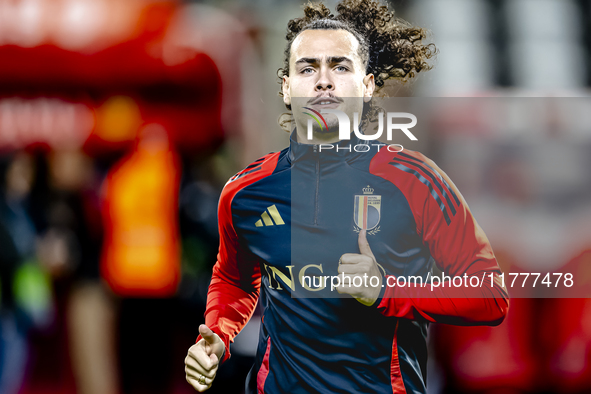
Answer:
[(25, 289), (326, 345), (140, 259), (18, 178), (31, 287), (72, 245), (65, 210), (13, 347)]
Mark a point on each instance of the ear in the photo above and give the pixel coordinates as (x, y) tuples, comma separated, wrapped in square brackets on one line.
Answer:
[(370, 85), (285, 90)]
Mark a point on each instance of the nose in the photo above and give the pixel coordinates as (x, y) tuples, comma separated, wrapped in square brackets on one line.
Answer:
[(324, 82)]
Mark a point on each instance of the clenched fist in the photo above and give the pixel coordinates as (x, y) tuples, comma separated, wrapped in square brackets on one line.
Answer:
[(364, 266), (203, 359)]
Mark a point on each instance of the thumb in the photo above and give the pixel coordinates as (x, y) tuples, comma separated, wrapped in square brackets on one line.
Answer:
[(364, 245), (209, 336)]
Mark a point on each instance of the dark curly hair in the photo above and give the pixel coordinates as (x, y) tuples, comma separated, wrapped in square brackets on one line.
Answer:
[(389, 47)]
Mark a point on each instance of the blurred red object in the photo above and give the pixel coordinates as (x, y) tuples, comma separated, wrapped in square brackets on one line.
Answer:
[(82, 54), (141, 249), (565, 330), (494, 359)]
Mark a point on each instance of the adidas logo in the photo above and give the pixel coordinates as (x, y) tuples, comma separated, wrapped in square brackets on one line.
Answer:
[(265, 219)]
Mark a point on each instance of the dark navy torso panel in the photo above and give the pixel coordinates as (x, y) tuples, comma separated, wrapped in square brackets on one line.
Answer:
[(297, 222)]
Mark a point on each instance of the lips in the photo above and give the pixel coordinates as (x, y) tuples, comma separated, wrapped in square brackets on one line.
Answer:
[(325, 101)]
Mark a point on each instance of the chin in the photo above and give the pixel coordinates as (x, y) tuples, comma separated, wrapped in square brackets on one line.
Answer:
[(333, 126), (330, 131)]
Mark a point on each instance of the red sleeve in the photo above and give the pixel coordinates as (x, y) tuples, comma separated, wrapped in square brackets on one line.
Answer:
[(456, 242), (235, 283)]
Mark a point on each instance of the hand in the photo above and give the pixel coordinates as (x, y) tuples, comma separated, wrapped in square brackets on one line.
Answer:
[(203, 359), (365, 266)]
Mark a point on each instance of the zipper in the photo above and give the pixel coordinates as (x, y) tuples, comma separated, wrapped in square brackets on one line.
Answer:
[(317, 184)]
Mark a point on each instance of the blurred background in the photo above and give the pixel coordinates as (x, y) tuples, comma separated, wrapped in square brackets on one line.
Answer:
[(120, 121)]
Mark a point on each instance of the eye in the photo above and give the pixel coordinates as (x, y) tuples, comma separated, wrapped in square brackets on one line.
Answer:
[(342, 68), (307, 70)]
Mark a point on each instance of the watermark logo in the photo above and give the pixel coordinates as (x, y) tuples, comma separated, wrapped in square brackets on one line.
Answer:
[(345, 124), (316, 119)]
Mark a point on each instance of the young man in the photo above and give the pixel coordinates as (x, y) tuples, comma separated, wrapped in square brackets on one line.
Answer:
[(380, 214)]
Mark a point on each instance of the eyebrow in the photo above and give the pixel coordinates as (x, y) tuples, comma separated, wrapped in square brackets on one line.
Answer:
[(330, 60)]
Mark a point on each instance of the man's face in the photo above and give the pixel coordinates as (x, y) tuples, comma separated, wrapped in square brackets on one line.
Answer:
[(326, 72)]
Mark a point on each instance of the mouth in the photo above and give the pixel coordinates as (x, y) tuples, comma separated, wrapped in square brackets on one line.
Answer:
[(325, 102)]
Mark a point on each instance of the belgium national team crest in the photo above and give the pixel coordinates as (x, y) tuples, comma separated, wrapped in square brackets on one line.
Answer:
[(366, 213)]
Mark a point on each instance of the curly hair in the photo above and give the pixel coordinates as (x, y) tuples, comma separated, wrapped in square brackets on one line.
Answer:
[(389, 47)]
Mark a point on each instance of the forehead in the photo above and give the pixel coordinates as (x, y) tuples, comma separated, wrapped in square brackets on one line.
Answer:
[(323, 43)]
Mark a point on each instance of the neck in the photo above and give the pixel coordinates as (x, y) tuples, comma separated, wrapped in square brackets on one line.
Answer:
[(329, 137)]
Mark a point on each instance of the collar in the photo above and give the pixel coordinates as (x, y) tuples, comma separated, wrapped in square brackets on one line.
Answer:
[(343, 150)]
